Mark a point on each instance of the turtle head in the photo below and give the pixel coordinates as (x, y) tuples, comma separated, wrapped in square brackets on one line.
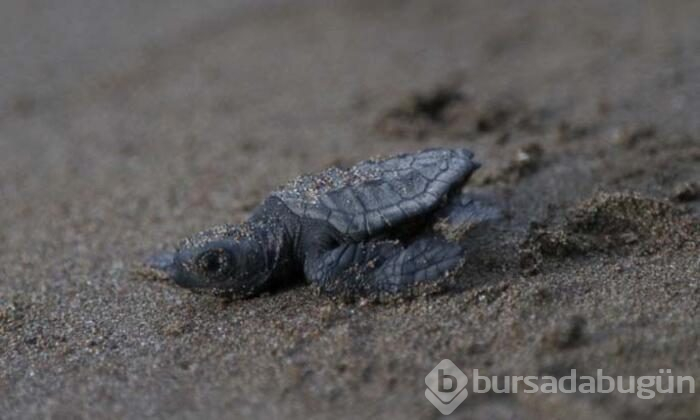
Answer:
[(225, 260)]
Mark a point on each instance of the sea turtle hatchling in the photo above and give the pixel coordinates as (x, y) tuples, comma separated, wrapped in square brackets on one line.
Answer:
[(367, 231)]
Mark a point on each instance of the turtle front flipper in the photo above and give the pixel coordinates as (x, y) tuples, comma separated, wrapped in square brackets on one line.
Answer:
[(383, 270)]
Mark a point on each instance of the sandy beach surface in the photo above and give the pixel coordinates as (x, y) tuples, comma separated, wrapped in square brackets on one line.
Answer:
[(125, 126)]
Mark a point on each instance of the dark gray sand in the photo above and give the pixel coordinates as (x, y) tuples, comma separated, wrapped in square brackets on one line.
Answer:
[(125, 126)]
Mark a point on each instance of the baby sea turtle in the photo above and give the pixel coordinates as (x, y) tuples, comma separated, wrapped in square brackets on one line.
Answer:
[(367, 231)]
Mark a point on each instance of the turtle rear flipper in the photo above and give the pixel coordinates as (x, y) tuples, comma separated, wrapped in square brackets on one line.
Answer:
[(383, 270), (464, 213)]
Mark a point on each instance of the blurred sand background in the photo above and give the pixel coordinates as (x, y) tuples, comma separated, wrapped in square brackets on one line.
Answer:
[(127, 125)]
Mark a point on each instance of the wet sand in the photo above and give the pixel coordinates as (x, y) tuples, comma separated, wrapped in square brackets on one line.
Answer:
[(124, 128)]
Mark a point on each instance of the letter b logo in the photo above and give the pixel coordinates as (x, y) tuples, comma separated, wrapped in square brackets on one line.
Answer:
[(446, 382), (447, 386)]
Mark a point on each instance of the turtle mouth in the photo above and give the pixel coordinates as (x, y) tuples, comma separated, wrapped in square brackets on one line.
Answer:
[(183, 277), (172, 266), (163, 263), (186, 280)]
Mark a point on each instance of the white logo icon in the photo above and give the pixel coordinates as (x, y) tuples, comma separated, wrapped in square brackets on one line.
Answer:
[(447, 386)]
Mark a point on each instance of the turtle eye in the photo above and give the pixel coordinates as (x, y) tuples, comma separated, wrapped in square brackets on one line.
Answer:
[(213, 261)]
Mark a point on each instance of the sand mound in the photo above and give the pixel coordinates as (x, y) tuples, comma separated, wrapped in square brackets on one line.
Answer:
[(609, 223), (448, 110)]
